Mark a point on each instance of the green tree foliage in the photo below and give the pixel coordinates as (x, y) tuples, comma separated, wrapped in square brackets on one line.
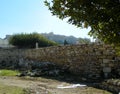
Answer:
[(29, 40), (103, 16), (65, 42), (84, 41)]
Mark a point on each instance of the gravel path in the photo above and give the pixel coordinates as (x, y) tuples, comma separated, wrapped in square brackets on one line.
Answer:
[(48, 86)]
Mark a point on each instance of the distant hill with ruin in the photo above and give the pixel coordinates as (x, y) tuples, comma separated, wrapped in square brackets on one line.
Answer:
[(51, 36), (60, 38)]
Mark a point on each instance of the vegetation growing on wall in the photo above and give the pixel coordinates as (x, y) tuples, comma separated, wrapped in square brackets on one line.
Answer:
[(30, 40)]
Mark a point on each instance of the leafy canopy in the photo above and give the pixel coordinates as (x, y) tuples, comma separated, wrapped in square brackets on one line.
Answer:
[(103, 16)]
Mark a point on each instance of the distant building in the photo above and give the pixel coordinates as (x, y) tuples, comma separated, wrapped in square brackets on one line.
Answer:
[(4, 42)]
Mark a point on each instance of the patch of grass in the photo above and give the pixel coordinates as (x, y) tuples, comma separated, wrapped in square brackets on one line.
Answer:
[(8, 72), (4, 89), (91, 90)]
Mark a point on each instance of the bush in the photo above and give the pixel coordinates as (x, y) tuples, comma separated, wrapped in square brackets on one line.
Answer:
[(29, 40)]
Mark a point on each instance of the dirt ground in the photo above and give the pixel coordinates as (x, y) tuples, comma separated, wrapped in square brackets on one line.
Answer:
[(49, 86)]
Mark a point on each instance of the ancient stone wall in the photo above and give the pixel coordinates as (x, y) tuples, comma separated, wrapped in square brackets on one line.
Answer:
[(10, 58), (83, 60), (112, 85)]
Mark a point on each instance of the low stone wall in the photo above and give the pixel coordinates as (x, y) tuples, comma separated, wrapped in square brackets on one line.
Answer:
[(112, 85), (82, 60)]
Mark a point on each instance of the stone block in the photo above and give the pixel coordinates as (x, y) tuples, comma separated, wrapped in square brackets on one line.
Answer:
[(106, 60)]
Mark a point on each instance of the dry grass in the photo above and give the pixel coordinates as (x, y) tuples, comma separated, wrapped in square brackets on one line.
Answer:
[(4, 89)]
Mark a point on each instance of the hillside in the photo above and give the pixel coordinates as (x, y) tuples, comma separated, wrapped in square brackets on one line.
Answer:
[(60, 38)]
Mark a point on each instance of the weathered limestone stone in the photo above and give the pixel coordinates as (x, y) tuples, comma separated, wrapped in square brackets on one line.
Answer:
[(87, 60), (111, 85)]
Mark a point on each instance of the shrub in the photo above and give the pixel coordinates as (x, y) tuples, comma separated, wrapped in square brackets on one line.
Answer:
[(29, 40), (8, 73)]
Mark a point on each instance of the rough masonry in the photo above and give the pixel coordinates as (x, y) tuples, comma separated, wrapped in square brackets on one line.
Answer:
[(87, 60)]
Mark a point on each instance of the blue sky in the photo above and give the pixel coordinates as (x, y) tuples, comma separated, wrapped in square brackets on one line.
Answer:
[(27, 16)]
